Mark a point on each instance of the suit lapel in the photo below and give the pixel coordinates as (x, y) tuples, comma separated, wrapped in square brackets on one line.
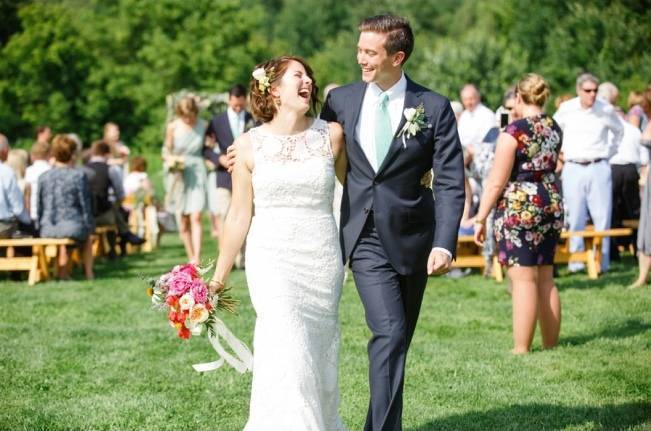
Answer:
[(227, 126), (355, 101), (412, 99)]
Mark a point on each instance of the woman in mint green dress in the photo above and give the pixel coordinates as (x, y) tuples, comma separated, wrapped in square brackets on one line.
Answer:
[(184, 141)]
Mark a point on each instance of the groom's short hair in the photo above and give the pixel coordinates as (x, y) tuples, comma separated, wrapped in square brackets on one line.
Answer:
[(398, 31)]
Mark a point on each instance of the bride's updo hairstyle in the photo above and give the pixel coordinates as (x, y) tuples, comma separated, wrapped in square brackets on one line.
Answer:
[(533, 89), (263, 105)]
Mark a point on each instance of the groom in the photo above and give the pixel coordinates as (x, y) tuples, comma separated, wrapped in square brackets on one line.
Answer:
[(393, 232)]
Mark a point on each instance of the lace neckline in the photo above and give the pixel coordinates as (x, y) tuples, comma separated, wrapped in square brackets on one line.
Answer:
[(291, 135)]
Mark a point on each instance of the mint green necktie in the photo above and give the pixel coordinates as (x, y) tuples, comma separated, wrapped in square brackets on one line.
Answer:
[(236, 131), (383, 130)]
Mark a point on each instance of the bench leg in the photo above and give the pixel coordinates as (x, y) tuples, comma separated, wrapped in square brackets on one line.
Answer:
[(497, 270), (33, 271), (592, 265)]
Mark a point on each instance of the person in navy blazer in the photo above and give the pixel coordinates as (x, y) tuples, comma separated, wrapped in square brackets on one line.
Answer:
[(220, 134), (395, 231)]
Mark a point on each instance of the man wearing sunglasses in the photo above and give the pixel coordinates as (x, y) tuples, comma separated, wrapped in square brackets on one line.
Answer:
[(586, 121)]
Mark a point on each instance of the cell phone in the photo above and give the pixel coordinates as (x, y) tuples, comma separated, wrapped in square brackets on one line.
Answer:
[(504, 120)]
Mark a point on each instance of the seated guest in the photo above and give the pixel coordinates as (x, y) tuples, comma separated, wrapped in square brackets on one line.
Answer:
[(40, 154), (103, 180), (12, 205), (137, 186), (17, 160), (64, 207)]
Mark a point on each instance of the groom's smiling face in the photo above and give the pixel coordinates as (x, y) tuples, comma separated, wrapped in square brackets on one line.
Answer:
[(376, 63)]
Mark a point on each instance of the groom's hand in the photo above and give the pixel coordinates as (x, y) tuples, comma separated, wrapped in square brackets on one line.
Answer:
[(438, 263), (230, 158)]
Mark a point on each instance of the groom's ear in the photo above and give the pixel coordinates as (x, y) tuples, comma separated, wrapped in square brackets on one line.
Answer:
[(398, 58)]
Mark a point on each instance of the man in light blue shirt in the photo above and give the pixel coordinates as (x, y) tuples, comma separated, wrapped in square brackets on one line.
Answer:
[(12, 206)]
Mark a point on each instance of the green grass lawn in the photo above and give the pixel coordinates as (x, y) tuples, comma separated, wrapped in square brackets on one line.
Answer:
[(93, 355)]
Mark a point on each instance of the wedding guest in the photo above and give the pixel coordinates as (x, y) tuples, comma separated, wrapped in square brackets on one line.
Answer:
[(222, 131), (43, 134), (528, 217), (636, 113), (119, 151), (137, 186), (12, 204), (185, 138), (40, 155), (457, 108), (476, 119), (586, 121), (562, 98), (17, 160), (644, 229), (103, 178), (624, 165), (64, 205)]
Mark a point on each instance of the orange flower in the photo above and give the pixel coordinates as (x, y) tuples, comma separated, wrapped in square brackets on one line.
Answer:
[(150, 291), (184, 332), (198, 314)]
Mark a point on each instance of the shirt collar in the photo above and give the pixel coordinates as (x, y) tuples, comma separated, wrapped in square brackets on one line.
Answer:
[(397, 90), (234, 114)]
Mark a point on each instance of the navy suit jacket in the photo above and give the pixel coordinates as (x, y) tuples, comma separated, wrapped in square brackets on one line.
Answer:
[(220, 129), (409, 220)]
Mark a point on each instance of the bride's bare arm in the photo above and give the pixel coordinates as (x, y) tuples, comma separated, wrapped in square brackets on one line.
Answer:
[(338, 150), (238, 219)]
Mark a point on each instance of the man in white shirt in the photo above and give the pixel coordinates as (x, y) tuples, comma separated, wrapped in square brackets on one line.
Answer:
[(624, 165), (12, 206), (587, 180), (476, 119), (40, 153)]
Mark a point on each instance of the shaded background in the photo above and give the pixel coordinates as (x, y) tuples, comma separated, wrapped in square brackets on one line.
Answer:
[(76, 64)]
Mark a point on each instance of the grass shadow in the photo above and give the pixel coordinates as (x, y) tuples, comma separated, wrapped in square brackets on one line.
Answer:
[(629, 328), (614, 417)]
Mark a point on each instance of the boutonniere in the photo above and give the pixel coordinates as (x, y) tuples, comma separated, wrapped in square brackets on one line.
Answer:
[(415, 122)]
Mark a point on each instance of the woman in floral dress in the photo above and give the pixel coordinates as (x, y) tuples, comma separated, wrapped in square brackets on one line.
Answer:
[(529, 213)]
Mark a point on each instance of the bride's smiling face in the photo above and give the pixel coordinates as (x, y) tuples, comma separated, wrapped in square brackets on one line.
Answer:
[(294, 89)]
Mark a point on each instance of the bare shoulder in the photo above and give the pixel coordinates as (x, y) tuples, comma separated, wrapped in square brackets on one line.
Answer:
[(244, 150)]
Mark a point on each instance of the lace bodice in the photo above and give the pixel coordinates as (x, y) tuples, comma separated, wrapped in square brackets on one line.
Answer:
[(293, 171)]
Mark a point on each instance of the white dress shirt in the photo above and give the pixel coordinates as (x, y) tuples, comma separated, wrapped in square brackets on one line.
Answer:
[(236, 121), (365, 130), (12, 204), (473, 126), (630, 151), (32, 173), (585, 131)]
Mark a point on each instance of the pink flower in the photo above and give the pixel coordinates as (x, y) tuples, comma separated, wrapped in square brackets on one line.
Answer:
[(199, 292), (188, 268), (179, 283)]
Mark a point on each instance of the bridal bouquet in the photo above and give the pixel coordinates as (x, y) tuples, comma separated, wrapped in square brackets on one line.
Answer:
[(175, 163), (190, 308)]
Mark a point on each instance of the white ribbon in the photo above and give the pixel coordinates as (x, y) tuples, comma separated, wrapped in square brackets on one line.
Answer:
[(242, 361)]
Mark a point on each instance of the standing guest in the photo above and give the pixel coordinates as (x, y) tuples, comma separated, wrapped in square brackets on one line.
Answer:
[(528, 218), (17, 160), (221, 133), (586, 121), (636, 113), (64, 205), (644, 229), (457, 108), (185, 138), (12, 204), (559, 100), (119, 151), (40, 155), (43, 134), (624, 167), (476, 119)]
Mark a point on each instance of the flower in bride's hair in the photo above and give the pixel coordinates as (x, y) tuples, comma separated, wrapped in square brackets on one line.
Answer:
[(263, 78), (186, 302)]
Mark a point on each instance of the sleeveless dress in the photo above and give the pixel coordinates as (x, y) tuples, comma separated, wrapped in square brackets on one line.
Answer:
[(189, 143), (529, 215), (294, 272)]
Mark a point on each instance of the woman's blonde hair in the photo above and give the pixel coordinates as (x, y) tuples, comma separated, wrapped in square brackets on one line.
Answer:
[(17, 160), (533, 89), (187, 107), (635, 98)]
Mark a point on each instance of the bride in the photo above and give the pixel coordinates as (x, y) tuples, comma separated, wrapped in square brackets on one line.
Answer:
[(285, 170)]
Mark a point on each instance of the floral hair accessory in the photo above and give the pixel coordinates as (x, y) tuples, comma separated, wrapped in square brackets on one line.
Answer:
[(264, 79)]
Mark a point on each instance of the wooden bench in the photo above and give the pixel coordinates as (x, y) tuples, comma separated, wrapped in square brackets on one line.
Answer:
[(43, 250), (592, 255), (100, 240), (469, 255), (143, 222)]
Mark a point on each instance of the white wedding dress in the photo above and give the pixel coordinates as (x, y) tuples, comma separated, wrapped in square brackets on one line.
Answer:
[(294, 272)]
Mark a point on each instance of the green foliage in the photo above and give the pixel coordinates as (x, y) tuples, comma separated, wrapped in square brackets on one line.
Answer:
[(76, 64)]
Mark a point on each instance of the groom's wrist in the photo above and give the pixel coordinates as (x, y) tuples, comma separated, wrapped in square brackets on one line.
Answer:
[(444, 250)]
